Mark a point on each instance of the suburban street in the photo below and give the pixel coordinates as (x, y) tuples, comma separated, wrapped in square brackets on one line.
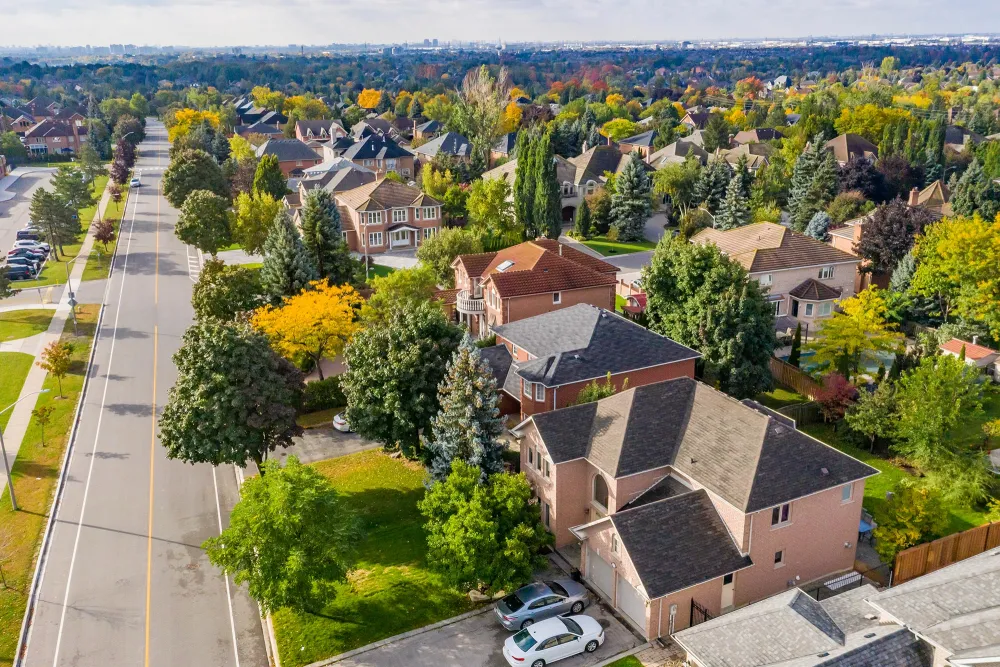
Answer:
[(15, 212), (125, 581)]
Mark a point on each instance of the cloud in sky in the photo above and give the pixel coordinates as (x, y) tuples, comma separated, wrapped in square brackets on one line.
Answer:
[(234, 22)]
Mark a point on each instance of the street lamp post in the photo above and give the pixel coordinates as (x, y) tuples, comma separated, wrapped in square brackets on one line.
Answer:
[(3, 449)]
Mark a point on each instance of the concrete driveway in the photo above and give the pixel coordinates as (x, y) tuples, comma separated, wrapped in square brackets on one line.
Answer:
[(477, 641), (319, 444)]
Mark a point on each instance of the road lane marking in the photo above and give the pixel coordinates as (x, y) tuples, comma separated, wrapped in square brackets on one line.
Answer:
[(225, 576), (93, 452), (152, 457)]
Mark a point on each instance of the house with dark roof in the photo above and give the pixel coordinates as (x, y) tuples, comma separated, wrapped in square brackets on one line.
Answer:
[(528, 279), (427, 130), (805, 278), (381, 154), (504, 149), (55, 137), (369, 126), (755, 136), (322, 131), (851, 146), (449, 143), (641, 143), (566, 173), (686, 500), (294, 157), (257, 127), (696, 120), (384, 214), (676, 153), (542, 363)]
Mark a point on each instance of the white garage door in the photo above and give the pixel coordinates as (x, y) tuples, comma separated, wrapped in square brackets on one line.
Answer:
[(599, 572), (631, 602)]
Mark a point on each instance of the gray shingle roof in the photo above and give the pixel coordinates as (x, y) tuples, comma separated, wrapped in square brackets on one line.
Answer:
[(750, 459), (449, 143), (677, 542), (287, 150), (376, 146), (583, 342), (813, 290), (642, 139), (499, 359)]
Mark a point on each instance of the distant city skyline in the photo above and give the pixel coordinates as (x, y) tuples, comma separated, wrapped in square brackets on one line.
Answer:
[(313, 22)]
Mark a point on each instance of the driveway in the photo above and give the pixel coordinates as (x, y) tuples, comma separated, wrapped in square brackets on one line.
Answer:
[(477, 641), (15, 201)]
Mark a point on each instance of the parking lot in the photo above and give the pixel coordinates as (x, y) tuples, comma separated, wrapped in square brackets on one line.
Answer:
[(477, 641), (15, 210)]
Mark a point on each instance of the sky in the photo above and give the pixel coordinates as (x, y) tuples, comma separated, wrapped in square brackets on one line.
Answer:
[(319, 22)]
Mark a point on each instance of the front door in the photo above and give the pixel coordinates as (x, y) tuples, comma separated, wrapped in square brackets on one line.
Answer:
[(728, 588), (399, 238), (795, 307)]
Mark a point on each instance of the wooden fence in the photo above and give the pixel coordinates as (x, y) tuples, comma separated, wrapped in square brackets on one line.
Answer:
[(790, 376), (930, 556), (803, 413)]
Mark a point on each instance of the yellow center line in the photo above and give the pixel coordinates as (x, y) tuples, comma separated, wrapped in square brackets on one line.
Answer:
[(149, 539)]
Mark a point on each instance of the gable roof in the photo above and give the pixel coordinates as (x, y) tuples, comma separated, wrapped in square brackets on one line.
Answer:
[(368, 126), (259, 128), (449, 143), (565, 170), (757, 135), (766, 246), (677, 542), (846, 146), (592, 165), (318, 127), (749, 458), (506, 144), (676, 152), (54, 128), (696, 118), (429, 126), (583, 342), (376, 146), (287, 150), (973, 352), (645, 139), (384, 194), (811, 289)]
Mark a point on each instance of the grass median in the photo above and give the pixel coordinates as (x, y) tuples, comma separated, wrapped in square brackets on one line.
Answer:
[(35, 474), (99, 261)]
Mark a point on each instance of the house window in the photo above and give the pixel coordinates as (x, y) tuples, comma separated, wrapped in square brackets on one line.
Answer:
[(406, 171), (766, 279), (809, 310), (514, 351), (343, 235), (546, 467), (779, 558), (539, 391), (416, 213), (601, 492), (547, 514), (531, 455), (298, 163), (527, 389), (369, 163), (430, 213), (780, 514), (826, 273), (538, 462), (825, 308), (557, 297), (375, 238), (777, 308), (399, 215), (728, 579), (591, 186), (390, 164), (429, 232), (614, 543), (846, 493), (567, 189)]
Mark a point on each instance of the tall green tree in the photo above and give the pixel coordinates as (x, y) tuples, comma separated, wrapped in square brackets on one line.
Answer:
[(582, 222), (631, 203), (192, 170), (440, 250), (710, 188), (393, 372), (55, 218), (287, 268), (486, 536), (269, 178), (874, 415), (226, 292), (402, 289), (291, 538), (814, 183), (323, 240), (90, 163), (490, 209), (735, 210), (716, 133), (205, 222), (524, 184), (235, 400), (795, 355), (468, 427), (478, 114), (70, 185), (548, 196), (12, 148), (254, 215)]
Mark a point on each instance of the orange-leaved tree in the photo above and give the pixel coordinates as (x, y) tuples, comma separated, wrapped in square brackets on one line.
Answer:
[(317, 322), (369, 98), (57, 358)]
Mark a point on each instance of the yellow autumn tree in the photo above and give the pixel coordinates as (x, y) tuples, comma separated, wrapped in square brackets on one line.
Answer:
[(512, 117), (186, 119), (615, 100), (318, 322), (268, 99), (369, 98), (516, 93)]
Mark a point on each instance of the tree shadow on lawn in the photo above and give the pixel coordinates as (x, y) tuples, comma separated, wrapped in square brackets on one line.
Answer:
[(393, 527)]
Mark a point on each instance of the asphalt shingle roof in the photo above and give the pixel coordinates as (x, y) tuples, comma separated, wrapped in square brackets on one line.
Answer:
[(385, 194), (766, 246), (811, 289), (449, 143), (750, 459), (583, 342), (376, 146), (287, 150)]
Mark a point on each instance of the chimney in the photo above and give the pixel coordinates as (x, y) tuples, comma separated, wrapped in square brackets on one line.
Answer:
[(975, 340), (560, 249), (914, 197)]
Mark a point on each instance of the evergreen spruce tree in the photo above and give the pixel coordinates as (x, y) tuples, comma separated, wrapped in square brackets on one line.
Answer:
[(743, 175), (795, 356), (711, 186), (814, 183), (902, 275), (582, 223), (287, 267), (735, 211), (268, 177), (818, 226), (468, 426), (802, 178), (524, 184), (548, 198), (416, 108), (631, 205), (322, 238)]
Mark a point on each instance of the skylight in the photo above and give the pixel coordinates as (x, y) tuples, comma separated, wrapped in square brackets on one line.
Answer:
[(504, 265)]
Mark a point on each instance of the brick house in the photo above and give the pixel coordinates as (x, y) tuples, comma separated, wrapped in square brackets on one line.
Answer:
[(805, 277), (684, 498), (384, 214), (531, 278), (641, 143), (322, 131), (294, 157), (381, 154), (542, 363), (55, 137)]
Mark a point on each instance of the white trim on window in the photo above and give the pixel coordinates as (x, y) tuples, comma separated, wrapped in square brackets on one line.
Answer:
[(527, 388), (539, 391), (809, 310), (557, 297), (430, 212), (430, 231), (847, 493), (826, 273), (374, 238), (766, 279), (399, 215), (779, 559), (825, 308)]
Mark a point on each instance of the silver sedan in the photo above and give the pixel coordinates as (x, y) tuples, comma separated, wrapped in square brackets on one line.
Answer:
[(541, 600)]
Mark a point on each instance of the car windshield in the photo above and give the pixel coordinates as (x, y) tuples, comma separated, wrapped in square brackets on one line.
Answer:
[(513, 602), (557, 589), (524, 640), (572, 626)]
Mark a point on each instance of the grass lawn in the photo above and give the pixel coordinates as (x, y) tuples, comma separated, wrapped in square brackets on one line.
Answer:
[(392, 590), (234, 246), (606, 247), (14, 367), (99, 261), (379, 271), (780, 396), (627, 661), (15, 324), (318, 418), (35, 474), (253, 265)]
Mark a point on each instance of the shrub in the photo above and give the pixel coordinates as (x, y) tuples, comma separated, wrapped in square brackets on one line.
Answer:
[(913, 515), (323, 394)]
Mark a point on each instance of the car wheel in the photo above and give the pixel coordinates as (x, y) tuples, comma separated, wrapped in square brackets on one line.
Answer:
[(591, 646), (538, 663), (525, 624), (577, 607)]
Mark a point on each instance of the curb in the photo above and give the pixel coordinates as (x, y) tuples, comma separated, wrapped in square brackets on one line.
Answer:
[(406, 635)]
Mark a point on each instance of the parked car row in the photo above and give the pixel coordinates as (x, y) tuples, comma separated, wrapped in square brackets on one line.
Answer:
[(549, 623), (25, 260)]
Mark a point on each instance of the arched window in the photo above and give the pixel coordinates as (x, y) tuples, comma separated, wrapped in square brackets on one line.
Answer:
[(591, 187), (567, 189), (601, 491)]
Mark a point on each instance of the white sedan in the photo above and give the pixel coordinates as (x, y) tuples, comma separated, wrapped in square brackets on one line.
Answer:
[(553, 639), (135, 182)]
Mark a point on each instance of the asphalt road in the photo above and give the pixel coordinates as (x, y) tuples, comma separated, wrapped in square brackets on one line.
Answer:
[(126, 582), (14, 213)]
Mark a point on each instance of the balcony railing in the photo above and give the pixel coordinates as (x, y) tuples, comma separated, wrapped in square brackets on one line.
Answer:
[(467, 303)]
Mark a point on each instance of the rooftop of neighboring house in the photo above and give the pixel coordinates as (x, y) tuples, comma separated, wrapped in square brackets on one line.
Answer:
[(55, 128), (792, 629), (368, 126), (596, 161), (376, 146), (318, 128), (811, 289), (428, 127), (756, 136), (259, 128), (936, 198), (506, 144), (756, 154), (286, 150), (383, 195), (956, 136), (742, 452), (449, 143), (336, 175), (70, 112), (956, 608), (41, 102), (565, 170), (643, 139), (846, 146), (766, 246), (273, 118), (973, 351), (583, 342), (675, 153), (697, 118)]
